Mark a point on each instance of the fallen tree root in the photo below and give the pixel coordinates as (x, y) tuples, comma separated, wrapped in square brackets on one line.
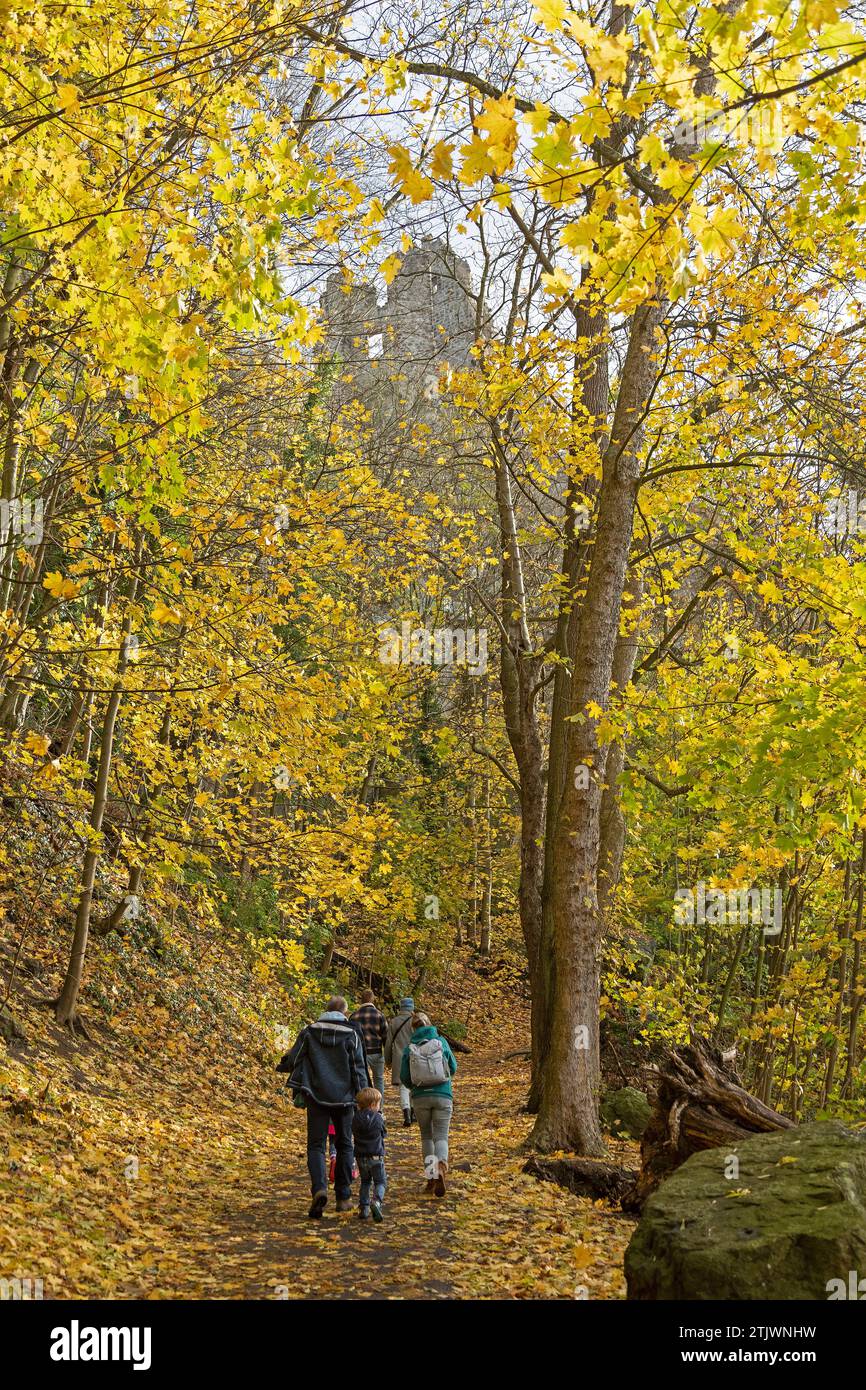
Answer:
[(699, 1104), (585, 1177)]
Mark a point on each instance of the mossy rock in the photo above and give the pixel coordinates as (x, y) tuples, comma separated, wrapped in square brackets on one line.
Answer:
[(789, 1219), (626, 1111)]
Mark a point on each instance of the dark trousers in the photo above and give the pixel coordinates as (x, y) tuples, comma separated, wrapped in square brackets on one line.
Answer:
[(318, 1119)]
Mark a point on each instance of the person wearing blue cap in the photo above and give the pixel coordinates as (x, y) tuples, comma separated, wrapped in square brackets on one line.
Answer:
[(399, 1033)]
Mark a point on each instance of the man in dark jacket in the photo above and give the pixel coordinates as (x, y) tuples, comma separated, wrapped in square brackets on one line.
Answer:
[(326, 1065)]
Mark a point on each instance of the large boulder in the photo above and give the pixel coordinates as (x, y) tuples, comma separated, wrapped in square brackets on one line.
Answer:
[(626, 1111), (781, 1223)]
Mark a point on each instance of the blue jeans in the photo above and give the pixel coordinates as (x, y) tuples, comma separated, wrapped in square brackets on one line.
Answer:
[(318, 1119), (376, 1063), (372, 1172)]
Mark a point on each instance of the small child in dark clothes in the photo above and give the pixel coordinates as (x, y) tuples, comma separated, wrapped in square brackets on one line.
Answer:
[(368, 1130)]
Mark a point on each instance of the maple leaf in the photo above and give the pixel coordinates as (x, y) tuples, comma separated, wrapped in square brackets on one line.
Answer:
[(550, 13), (558, 283), (161, 613), (442, 162), (68, 97), (498, 120), (411, 182), (477, 161), (37, 743), (59, 587), (389, 267)]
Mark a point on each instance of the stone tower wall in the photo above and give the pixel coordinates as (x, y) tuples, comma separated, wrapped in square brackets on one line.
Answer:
[(427, 321)]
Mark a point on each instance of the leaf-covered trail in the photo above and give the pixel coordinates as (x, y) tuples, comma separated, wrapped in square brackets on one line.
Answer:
[(180, 1172), (497, 1233)]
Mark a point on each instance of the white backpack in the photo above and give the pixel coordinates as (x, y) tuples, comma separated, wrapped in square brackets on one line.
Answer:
[(428, 1065)]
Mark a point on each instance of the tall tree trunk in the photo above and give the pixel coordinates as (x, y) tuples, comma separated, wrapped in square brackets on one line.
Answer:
[(612, 841), (487, 892), (520, 669), (68, 1000), (568, 1112), (855, 995), (473, 911), (589, 412)]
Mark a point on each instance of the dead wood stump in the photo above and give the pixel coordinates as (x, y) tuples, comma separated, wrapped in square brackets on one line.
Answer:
[(699, 1104)]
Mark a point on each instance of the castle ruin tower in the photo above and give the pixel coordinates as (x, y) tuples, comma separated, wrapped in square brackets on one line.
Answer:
[(430, 316), (353, 330), (396, 353)]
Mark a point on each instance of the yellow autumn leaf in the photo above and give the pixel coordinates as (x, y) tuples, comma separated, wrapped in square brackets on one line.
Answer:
[(442, 163), (59, 587), (550, 13), (769, 590), (538, 119), (498, 120), (716, 232), (558, 283), (582, 234), (477, 161), (37, 743), (68, 97), (411, 182), (163, 614), (389, 268)]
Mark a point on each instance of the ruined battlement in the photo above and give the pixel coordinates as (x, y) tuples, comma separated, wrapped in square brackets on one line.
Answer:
[(426, 322)]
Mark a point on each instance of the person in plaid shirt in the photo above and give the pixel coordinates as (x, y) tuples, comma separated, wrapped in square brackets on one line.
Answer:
[(373, 1028)]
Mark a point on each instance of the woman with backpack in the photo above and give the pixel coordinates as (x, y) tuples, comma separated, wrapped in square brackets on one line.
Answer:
[(427, 1067)]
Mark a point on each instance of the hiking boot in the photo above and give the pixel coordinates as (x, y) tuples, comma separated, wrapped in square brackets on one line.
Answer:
[(439, 1183), (364, 1213), (317, 1206), (344, 1204), (376, 1210), (407, 1118), (430, 1187)]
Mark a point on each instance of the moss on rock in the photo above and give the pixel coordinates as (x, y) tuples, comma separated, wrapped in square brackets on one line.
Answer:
[(780, 1223)]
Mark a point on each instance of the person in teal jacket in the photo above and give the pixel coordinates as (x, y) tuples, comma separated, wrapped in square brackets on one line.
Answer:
[(433, 1103)]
